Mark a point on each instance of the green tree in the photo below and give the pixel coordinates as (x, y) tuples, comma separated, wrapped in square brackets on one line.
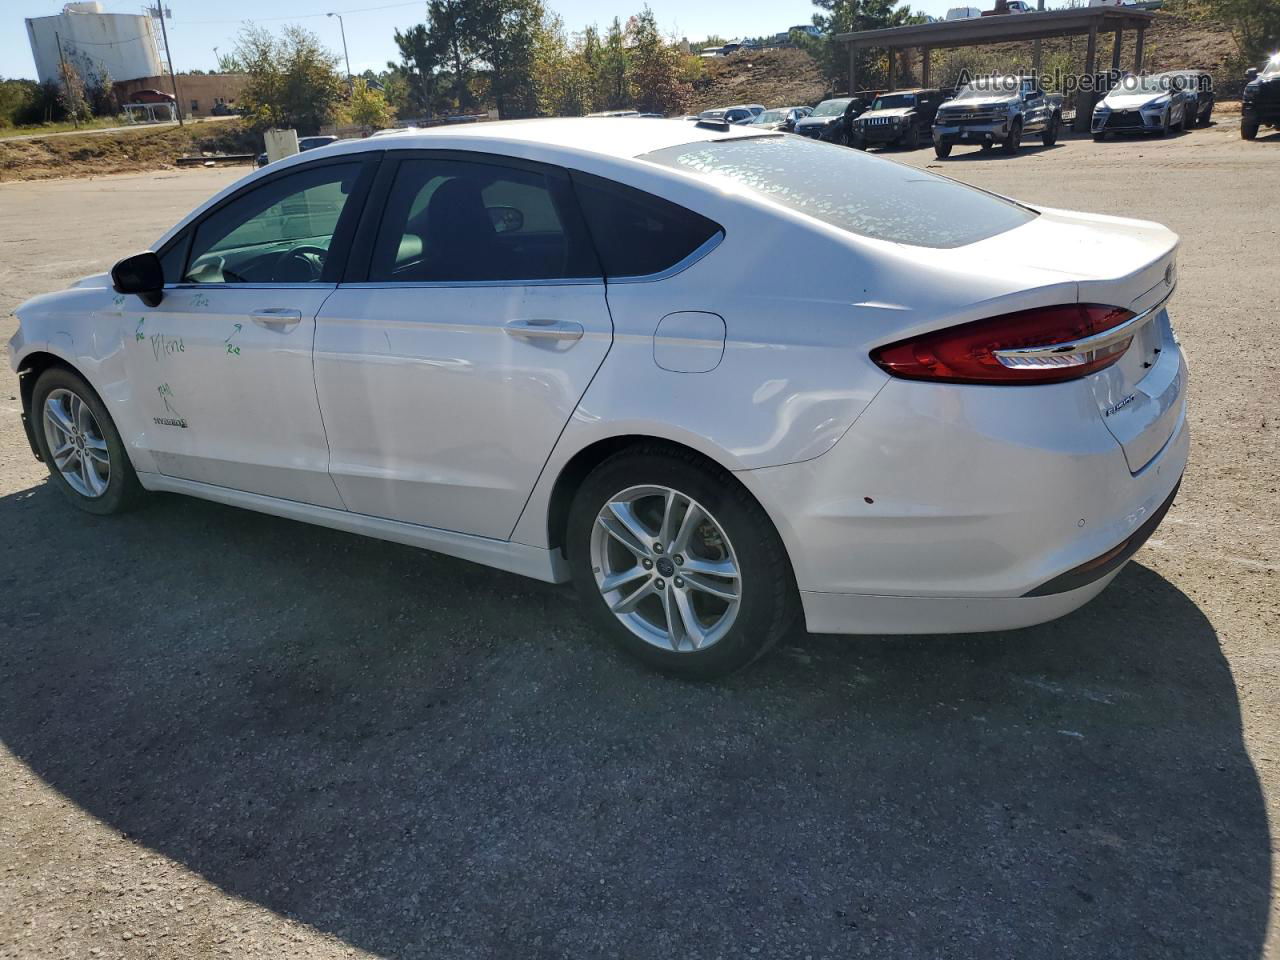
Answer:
[(367, 107), (414, 78), (655, 68), (72, 94), (293, 81), (849, 16), (613, 89), (503, 33)]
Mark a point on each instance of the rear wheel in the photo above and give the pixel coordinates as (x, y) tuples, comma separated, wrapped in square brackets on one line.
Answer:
[(1050, 135), (1014, 140), (1248, 129), (941, 150), (678, 564), (80, 444), (1204, 121), (1190, 116)]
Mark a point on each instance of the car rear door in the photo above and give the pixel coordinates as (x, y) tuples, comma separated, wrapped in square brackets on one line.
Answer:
[(222, 365), (471, 321)]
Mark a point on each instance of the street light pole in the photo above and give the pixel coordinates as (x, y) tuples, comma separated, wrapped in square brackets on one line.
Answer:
[(343, 29)]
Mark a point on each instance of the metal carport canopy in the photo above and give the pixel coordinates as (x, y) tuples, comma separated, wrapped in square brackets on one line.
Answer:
[(1006, 28)]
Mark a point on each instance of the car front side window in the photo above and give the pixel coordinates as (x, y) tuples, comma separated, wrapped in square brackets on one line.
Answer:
[(278, 232)]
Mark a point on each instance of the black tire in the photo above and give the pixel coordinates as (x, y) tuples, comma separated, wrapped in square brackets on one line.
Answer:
[(1248, 130), (858, 143), (768, 599), (1190, 116), (987, 146), (1050, 135), (911, 139), (1207, 119), (941, 150), (1099, 137), (123, 490), (1013, 141)]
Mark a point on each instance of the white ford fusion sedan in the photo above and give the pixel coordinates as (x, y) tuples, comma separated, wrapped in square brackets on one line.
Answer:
[(546, 346)]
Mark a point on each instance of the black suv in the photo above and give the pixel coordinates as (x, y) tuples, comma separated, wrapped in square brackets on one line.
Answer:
[(904, 117), (832, 120), (1260, 103)]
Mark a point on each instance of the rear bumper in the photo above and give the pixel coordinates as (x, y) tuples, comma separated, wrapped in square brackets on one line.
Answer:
[(953, 510)]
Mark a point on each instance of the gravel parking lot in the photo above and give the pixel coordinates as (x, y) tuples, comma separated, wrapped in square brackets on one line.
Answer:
[(223, 734)]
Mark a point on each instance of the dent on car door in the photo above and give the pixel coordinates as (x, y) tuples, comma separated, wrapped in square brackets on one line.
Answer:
[(448, 365), (222, 365)]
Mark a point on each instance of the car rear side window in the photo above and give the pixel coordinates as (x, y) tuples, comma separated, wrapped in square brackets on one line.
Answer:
[(852, 190), (463, 221), (637, 234)]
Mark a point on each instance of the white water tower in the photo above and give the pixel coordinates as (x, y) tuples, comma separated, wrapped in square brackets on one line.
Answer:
[(122, 44)]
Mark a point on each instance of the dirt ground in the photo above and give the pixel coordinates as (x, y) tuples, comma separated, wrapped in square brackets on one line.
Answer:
[(223, 734)]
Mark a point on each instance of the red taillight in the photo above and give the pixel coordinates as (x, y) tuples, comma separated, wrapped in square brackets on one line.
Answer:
[(1044, 345)]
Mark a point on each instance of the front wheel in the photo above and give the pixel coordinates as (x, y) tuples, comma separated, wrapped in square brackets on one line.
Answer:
[(80, 445), (911, 139), (941, 150), (678, 564), (1248, 130), (1014, 140)]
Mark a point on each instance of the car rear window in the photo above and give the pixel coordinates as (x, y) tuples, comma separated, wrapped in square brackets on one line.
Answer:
[(637, 234), (852, 190)]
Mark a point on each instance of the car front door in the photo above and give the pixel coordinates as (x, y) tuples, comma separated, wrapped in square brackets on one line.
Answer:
[(222, 365), (1033, 108), (449, 364)]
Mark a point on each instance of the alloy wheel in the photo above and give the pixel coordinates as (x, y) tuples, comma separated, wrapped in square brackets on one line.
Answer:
[(665, 568), (76, 444)]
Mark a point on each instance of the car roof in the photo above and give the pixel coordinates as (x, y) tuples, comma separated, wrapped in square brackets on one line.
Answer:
[(618, 137)]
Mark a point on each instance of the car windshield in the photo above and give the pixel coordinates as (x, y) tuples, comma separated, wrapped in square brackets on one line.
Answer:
[(989, 87), (830, 108), (771, 116), (851, 190), (1272, 68), (894, 102)]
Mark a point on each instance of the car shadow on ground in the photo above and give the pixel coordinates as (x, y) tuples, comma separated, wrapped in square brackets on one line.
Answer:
[(428, 758)]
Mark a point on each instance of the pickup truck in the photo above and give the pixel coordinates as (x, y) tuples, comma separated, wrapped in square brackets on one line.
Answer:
[(991, 110), (1260, 103), (1009, 6)]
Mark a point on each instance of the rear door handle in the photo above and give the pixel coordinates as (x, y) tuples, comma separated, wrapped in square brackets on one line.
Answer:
[(544, 329), (275, 318)]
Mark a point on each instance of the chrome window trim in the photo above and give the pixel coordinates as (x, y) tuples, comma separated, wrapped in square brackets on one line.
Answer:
[(1096, 342), (679, 266), (437, 284), (250, 286)]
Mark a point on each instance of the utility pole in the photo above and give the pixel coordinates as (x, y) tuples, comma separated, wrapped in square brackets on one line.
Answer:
[(343, 28), (177, 99), (66, 80)]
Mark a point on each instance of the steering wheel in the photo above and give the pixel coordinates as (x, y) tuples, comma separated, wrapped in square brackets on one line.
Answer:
[(292, 264)]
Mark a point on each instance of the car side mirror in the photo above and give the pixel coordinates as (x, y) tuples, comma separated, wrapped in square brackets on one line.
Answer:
[(506, 219), (1251, 73), (141, 274)]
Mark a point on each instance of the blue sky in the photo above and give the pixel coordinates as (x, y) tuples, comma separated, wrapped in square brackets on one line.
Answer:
[(197, 26)]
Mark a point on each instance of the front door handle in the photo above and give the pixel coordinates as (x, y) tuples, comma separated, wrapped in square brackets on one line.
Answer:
[(276, 318), (544, 329)]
